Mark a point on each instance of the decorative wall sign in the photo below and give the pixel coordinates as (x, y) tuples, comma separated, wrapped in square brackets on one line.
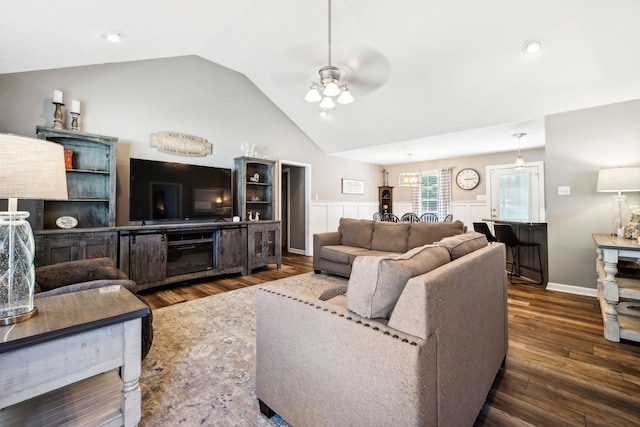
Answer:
[(352, 186), (181, 144), (250, 151)]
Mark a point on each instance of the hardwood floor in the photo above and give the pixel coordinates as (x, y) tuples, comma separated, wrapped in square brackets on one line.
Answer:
[(560, 371), (292, 265)]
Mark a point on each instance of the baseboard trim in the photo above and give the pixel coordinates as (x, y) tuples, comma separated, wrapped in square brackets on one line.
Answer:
[(576, 290), (297, 251)]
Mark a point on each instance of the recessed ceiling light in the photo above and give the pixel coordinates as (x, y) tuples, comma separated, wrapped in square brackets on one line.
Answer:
[(532, 46), (113, 36)]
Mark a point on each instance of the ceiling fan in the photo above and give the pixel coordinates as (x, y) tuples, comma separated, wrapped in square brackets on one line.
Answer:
[(355, 65)]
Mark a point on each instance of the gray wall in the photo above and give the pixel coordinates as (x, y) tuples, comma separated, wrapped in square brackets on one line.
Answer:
[(578, 144), (185, 94)]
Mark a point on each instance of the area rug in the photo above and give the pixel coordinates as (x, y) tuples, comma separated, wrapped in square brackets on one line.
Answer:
[(201, 368)]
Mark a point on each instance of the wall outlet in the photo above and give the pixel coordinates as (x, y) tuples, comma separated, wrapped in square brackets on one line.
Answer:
[(564, 190)]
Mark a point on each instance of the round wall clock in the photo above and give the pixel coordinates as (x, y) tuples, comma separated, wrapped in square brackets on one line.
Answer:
[(468, 179)]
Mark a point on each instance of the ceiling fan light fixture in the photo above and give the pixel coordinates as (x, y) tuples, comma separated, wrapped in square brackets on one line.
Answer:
[(345, 97), (313, 95), (331, 89), (327, 103), (329, 82)]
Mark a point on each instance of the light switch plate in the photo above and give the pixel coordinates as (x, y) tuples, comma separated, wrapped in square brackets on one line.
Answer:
[(564, 190)]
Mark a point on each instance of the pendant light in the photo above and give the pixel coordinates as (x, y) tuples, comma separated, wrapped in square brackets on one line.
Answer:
[(410, 179), (519, 161)]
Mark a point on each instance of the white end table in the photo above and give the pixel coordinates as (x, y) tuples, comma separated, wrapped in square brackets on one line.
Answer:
[(77, 361), (619, 297)]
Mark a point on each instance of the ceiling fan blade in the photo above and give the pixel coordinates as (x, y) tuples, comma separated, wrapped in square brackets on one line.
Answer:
[(361, 67)]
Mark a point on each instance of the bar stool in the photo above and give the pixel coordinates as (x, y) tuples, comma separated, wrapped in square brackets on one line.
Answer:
[(482, 227), (505, 234)]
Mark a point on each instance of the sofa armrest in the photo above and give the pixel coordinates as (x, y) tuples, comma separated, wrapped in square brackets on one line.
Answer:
[(71, 272), (326, 239), (319, 364), (83, 286), (463, 304)]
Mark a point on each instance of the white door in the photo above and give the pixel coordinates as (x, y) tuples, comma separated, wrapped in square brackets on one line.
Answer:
[(517, 194)]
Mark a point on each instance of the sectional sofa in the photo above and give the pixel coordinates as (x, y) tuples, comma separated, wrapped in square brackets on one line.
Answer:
[(416, 341), (334, 251)]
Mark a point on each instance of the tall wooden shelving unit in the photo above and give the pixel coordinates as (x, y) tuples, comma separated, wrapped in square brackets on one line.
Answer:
[(254, 188), (254, 180), (91, 186)]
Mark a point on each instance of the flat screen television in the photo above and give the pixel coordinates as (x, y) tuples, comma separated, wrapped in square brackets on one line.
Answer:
[(165, 191)]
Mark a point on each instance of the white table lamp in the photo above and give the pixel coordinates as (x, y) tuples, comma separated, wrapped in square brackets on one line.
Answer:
[(29, 169), (619, 180)]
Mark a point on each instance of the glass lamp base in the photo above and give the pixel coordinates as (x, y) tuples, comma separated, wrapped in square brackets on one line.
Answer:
[(10, 320), (17, 273), (620, 215)]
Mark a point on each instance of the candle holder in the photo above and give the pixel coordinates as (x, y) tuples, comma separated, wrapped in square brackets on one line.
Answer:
[(57, 116), (74, 121)]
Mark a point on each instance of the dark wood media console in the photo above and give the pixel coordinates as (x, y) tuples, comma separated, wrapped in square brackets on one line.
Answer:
[(160, 254)]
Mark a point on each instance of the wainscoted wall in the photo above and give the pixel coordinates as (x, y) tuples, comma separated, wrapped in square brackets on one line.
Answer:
[(470, 212), (325, 216)]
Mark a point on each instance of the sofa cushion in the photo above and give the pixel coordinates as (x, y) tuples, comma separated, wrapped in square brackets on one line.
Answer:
[(339, 253), (424, 233), (346, 254), (390, 236), (377, 282), (356, 232), (462, 244)]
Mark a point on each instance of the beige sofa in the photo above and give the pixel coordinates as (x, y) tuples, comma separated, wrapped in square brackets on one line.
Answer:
[(430, 362), (334, 251)]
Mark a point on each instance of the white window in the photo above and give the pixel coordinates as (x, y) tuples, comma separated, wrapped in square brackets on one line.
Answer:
[(434, 195)]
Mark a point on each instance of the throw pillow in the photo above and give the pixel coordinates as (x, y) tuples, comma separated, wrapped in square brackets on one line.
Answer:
[(356, 232), (376, 282), (462, 244), (424, 233), (390, 236)]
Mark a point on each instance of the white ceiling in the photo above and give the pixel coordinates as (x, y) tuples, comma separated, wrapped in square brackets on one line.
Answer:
[(437, 79)]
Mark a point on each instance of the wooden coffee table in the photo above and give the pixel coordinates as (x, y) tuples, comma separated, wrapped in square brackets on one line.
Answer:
[(76, 362)]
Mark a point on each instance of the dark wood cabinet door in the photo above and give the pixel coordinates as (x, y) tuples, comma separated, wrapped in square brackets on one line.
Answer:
[(147, 261), (231, 248)]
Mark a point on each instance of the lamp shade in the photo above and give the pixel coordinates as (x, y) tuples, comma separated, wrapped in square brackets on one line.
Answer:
[(410, 179), (618, 180), (31, 169)]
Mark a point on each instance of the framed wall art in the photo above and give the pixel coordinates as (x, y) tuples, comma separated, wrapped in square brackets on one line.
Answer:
[(352, 186)]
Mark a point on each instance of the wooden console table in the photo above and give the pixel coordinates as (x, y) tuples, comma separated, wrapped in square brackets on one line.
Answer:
[(619, 297), (76, 363)]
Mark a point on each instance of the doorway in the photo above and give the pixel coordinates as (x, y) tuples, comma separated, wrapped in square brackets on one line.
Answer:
[(294, 201), (516, 194)]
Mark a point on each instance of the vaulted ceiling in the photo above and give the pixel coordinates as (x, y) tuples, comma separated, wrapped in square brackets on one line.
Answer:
[(433, 78)]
